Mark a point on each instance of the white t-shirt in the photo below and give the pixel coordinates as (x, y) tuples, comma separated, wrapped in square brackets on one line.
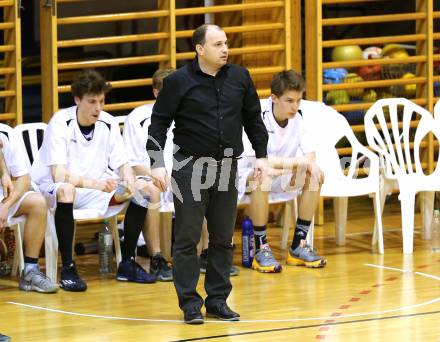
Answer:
[(65, 144), (289, 140), (135, 136), (14, 159)]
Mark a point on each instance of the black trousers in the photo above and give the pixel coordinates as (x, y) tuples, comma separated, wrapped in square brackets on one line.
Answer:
[(203, 188)]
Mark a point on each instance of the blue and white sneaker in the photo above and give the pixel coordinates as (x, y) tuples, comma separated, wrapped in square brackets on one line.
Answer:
[(130, 270)]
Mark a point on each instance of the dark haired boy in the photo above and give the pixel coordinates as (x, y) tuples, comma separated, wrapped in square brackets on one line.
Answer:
[(81, 144)]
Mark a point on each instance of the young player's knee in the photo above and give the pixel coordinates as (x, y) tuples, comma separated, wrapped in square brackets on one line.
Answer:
[(66, 193), (148, 188), (34, 204), (39, 203)]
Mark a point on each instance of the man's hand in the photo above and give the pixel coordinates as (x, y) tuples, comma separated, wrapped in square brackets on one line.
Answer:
[(160, 178), (3, 216), (8, 186), (260, 169)]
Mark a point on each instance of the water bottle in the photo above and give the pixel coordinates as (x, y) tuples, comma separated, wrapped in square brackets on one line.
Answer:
[(435, 228), (105, 248), (247, 241)]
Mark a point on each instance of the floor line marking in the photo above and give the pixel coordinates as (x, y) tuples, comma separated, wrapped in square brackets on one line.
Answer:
[(381, 312)]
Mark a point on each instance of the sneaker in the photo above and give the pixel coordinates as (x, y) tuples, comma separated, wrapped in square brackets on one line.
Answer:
[(234, 271), (265, 262), (70, 280), (4, 338), (130, 270), (35, 280), (304, 255), (161, 268)]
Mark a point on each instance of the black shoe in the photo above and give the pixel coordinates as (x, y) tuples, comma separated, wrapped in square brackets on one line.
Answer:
[(70, 280), (222, 312), (193, 316)]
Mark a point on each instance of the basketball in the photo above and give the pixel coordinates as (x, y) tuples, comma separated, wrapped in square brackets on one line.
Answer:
[(346, 53)]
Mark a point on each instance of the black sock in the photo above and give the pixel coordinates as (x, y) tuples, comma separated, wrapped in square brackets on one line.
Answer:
[(133, 222), (301, 229), (29, 260), (64, 225), (260, 236)]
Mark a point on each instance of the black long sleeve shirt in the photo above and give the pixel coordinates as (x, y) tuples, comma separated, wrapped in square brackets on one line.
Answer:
[(209, 113)]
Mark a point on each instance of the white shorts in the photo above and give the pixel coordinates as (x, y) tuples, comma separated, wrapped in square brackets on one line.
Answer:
[(84, 198), (14, 208)]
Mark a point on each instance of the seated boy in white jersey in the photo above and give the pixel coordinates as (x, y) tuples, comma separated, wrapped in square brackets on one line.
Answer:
[(135, 136), (289, 175), (81, 145), (17, 200)]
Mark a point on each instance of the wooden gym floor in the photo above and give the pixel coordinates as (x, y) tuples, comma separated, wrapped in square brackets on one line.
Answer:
[(359, 296)]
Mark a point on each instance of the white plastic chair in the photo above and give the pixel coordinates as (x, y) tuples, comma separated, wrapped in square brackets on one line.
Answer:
[(400, 157), (29, 138), (15, 223), (120, 120), (31, 130), (341, 181)]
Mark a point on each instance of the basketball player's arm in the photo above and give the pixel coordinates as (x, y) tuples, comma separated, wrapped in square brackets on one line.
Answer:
[(7, 184), (60, 174), (292, 163), (21, 185)]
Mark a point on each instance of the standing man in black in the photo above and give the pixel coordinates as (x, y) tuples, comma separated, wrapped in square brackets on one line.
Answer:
[(210, 102)]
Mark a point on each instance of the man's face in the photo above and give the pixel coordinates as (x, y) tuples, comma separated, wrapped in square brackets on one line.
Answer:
[(89, 108), (286, 106), (215, 50)]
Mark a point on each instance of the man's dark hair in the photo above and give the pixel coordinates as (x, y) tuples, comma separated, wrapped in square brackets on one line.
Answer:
[(199, 34), (285, 81), (89, 82), (158, 77)]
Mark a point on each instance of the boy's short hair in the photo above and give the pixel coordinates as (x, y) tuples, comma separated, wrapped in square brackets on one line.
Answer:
[(285, 81), (89, 82), (158, 77)]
